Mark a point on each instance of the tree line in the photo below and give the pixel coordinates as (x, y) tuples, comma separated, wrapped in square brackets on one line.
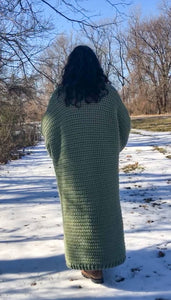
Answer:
[(136, 60)]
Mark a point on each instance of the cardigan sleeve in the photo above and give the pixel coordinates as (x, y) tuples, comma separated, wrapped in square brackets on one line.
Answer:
[(124, 123), (47, 114), (50, 128), (45, 132)]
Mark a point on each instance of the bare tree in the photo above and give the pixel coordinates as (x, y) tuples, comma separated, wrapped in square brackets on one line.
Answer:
[(149, 56), (14, 97), (52, 62), (108, 43), (21, 28), (77, 14)]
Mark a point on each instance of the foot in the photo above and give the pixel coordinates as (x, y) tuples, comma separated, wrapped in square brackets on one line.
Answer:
[(95, 275)]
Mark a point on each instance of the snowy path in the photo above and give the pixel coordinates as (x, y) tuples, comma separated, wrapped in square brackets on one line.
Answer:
[(32, 263)]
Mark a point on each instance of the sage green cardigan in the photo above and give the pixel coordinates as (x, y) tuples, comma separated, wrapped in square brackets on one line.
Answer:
[(84, 144)]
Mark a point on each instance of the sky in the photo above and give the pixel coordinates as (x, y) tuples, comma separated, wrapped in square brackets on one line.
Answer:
[(100, 9), (148, 7)]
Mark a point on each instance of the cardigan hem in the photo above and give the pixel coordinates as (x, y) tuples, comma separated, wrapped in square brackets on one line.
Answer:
[(83, 266)]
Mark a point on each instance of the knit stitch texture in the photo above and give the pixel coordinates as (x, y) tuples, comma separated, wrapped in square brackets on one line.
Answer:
[(84, 144)]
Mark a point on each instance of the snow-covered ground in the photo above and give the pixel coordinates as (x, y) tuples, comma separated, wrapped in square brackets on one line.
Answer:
[(32, 262)]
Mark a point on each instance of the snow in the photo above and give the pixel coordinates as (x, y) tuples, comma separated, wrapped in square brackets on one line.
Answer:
[(32, 262)]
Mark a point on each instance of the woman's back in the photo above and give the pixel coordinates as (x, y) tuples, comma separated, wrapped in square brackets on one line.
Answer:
[(84, 144), (91, 130)]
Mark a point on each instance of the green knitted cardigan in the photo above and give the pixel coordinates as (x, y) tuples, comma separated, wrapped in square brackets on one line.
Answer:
[(84, 144)]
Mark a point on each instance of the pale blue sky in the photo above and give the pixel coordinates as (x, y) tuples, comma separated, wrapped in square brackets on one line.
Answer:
[(149, 7), (100, 8)]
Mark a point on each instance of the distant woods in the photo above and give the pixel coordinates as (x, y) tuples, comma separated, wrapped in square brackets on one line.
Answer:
[(148, 58), (137, 60), (136, 57)]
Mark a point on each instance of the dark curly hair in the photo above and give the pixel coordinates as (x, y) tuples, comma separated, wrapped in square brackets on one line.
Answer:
[(83, 77)]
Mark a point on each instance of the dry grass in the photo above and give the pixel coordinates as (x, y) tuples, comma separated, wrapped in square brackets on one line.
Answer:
[(132, 167), (152, 123), (160, 149), (163, 151)]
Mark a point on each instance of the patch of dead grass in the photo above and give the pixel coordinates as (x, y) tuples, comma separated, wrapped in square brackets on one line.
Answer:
[(155, 123), (132, 167)]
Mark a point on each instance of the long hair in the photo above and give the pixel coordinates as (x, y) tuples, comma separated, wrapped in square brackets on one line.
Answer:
[(83, 77)]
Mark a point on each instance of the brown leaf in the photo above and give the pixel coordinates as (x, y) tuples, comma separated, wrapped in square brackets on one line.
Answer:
[(161, 254)]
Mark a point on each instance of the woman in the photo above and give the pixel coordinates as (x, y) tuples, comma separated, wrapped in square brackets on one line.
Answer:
[(85, 127)]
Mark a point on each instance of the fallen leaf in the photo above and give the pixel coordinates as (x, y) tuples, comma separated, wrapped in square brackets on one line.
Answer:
[(161, 254)]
